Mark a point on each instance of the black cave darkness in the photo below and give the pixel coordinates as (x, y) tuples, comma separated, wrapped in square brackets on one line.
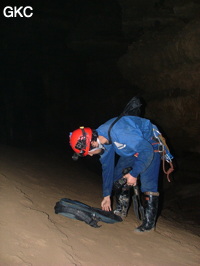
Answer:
[(78, 62)]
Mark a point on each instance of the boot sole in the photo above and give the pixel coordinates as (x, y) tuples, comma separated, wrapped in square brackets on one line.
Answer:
[(145, 231)]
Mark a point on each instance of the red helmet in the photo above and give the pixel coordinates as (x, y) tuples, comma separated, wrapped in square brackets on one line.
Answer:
[(80, 140)]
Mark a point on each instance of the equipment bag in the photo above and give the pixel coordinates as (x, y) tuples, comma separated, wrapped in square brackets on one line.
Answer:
[(77, 210)]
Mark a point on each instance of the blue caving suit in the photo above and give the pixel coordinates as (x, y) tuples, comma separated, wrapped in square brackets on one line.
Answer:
[(132, 140)]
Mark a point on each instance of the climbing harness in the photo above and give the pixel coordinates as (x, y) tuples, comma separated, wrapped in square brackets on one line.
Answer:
[(166, 155)]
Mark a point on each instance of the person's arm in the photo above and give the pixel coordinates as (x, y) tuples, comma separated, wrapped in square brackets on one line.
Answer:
[(141, 163), (143, 159), (140, 148), (107, 160)]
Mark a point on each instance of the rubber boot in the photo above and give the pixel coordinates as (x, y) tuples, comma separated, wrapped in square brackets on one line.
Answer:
[(150, 212), (122, 202)]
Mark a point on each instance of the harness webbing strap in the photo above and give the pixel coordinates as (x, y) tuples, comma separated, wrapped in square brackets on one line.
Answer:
[(115, 121)]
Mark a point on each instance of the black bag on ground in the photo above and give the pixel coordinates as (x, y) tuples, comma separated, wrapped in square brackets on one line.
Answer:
[(77, 210)]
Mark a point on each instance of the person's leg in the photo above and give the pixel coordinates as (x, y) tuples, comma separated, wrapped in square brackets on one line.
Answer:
[(149, 179), (149, 186), (122, 201), (122, 193)]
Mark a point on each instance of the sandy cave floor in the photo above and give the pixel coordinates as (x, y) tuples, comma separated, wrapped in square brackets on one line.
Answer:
[(32, 234)]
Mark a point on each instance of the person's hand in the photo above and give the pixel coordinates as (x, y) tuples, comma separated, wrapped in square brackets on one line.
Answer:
[(106, 204), (131, 180)]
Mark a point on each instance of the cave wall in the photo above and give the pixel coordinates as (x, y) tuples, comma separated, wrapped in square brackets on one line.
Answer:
[(164, 61)]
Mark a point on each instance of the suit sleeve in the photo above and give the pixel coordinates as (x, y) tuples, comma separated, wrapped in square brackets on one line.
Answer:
[(107, 160), (140, 148), (144, 157)]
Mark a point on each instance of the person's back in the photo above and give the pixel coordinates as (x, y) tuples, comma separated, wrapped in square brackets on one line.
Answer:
[(135, 125), (129, 135)]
